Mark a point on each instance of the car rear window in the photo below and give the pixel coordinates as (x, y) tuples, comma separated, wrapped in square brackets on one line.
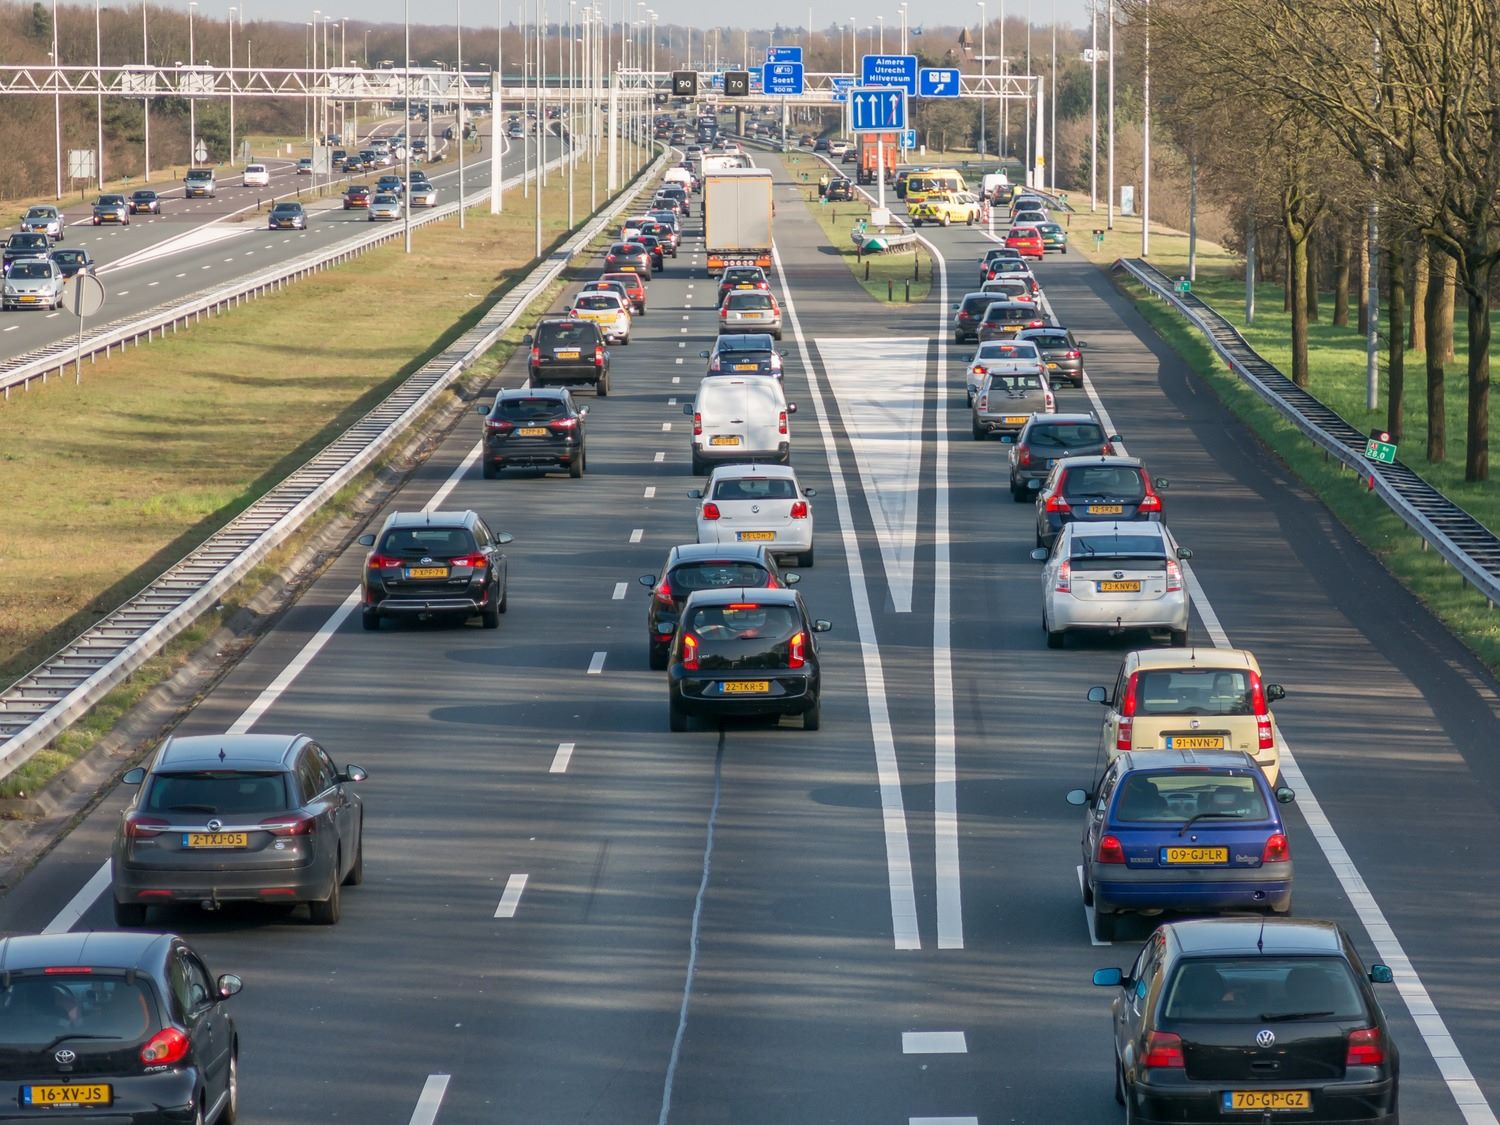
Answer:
[(713, 575), (1104, 480), (1051, 340), (597, 301), (36, 1010), (1118, 546), (563, 334), (755, 488), (1008, 349), (976, 304), (1174, 798), (1263, 989), (436, 541), (1193, 691), (216, 792), (67, 257), (625, 248), (1067, 435), (529, 409), (1007, 314), (742, 622), (756, 300), (737, 276)]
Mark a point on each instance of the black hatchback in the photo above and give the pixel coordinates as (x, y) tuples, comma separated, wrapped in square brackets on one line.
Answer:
[(702, 566), (535, 427), (115, 1027), (435, 564), (1003, 319), (745, 652), (566, 351), (1251, 1019)]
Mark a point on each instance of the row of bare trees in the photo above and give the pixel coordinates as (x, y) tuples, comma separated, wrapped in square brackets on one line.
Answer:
[(1304, 112)]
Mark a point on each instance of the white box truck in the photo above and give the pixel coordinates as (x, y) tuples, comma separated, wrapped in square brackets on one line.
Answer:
[(737, 213)]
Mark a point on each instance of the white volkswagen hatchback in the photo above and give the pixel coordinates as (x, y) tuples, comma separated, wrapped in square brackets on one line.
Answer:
[(757, 504)]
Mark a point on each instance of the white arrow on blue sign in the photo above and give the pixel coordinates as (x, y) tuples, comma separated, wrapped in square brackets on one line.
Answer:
[(938, 82), (878, 109), (783, 54), (889, 70), (784, 78)]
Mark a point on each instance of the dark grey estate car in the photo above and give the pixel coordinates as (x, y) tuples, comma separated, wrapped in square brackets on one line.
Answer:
[(239, 817), (435, 564)]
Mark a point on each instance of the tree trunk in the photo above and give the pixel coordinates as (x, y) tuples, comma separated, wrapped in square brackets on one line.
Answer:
[(1341, 278), (1419, 301), (1314, 248), (1395, 412), (1364, 283), (1437, 407), (1287, 267), (1296, 238), (1477, 451), (1441, 328)]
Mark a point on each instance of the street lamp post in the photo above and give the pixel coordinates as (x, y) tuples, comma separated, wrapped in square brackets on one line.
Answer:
[(57, 100), (1146, 142), (1004, 144), (458, 10), (903, 28), (1093, 105), (1052, 126), (1110, 205), (983, 74), (232, 148), (146, 100), (881, 21), (193, 80), (99, 97), (406, 87)]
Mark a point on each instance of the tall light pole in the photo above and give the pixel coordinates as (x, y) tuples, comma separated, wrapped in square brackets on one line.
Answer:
[(1028, 152), (1146, 143), (983, 74), (406, 87), (458, 19), (1093, 106), (193, 79), (1110, 206), (1004, 145), (57, 99), (99, 97), (232, 149), (1052, 126), (903, 28), (367, 48), (146, 100), (541, 125), (497, 104), (881, 21)]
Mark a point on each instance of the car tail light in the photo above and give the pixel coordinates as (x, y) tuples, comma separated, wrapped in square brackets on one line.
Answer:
[(381, 562), (781, 423), (1127, 714), (963, 315), (663, 592), (536, 355), (978, 370), (713, 364), (1064, 578), (1151, 502), (1264, 739), (697, 425), (1074, 354), (563, 424), (1051, 402), (1109, 850), (1277, 850), (1023, 455), (475, 562), (710, 511), (1365, 1048), (1174, 576), (690, 652), (165, 1047), (493, 427), (138, 827), (762, 285), (799, 510), (1036, 324), (1106, 450), (797, 651), (291, 824), (598, 355), (984, 403), (1057, 503), (1163, 1049)]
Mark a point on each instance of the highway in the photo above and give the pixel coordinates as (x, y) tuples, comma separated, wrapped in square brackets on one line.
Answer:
[(571, 915), (198, 245)]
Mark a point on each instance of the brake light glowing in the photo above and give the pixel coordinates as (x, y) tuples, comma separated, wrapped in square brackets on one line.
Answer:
[(477, 562), (1265, 740), (724, 311), (1127, 714), (697, 425), (710, 511), (1164, 1050), (796, 651), (381, 562), (536, 355), (799, 510), (1074, 354), (1277, 850), (1106, 450), (563, 424), (167, 1046), (1109, 850), (66, 970), (663, 592), (1365, 1048), (1057, 503), (690, 652), (598, 355), (292, 824), (1174, 576), (498, 427), (1151, 502), (781, 423), (138, 827)]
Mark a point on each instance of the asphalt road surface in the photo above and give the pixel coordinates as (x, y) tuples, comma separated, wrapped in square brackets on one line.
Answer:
[(571, 915)]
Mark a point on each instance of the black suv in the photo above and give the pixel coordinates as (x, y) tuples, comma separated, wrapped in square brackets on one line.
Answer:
[(26, 244), (839, 191), (702, 566), (566, 351), (1083, 489), (115, 1027), (427, 564), (677, 195), (534, 426), (1048, 438), (741, 277), (744, 651)]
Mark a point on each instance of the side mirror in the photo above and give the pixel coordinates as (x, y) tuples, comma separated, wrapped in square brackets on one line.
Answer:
[(1098, 695), (134, 776), (526, 339), (1040, 554), (1285, 795), (1109, 978), (791, 579), (955, 308), (1078, 796), (1184, 553), (1275, 692), (1081, 344), (505, 537), (695, 494), (781, 353), (484, 410), (1115, 437), (969, 358), (791, 408), (366, 540), (229, 985), (583, 412), (647, 580), (1381, 974), (703, 354), (809, 492), (353, 773), (822, 626), (1162, 482), (687, 408)]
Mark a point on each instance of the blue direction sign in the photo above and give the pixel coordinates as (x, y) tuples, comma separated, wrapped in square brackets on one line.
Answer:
[(841, 86), (909, 139), (889, 70), (938, 82), (754, 77), (784, 78), (716, 80), (878, 109), (783, 54)]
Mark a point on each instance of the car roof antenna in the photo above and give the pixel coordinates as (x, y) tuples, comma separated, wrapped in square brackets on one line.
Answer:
[(1260, 938)]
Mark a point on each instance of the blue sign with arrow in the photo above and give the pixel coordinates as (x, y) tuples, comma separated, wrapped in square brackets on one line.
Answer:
[(783, 54), (783, 78), (938, 82), (889, 70), (841, 85), (878, 109)]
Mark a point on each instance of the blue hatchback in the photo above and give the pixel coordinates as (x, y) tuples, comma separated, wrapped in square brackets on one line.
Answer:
[(1183, 831)]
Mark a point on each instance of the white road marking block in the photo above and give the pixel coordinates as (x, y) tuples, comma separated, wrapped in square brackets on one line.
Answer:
[(650, 492), (561, 759), (934, 1043), (619, 594), (510, 898), (430, 1100), (596, 664), (665, 426), (659, 458)]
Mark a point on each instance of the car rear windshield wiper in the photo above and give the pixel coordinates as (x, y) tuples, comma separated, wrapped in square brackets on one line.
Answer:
[(193, 808), (1190, 821), (1270, 1017), (65, 1037)]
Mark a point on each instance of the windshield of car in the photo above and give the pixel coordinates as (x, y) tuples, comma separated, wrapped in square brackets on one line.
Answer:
[(68, 257), (1175, 798), (1008, 349), (41, 213), (449, 542), (529, 409), (755, 488), (200, 174), (45, 1010), (23, 270), (216, 792), (1193, 691), (753, 300), (716, 575), (597, 301), (1116, 481), (1068, 435), (27, 240), (1263, 989), (288, 208), (145, 196)]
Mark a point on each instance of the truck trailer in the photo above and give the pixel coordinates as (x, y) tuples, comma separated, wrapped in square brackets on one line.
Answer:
[(737, 217)]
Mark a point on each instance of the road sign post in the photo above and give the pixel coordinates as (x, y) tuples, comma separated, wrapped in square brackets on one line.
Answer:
[(86, 299), (878, 109), (937, 82), (1380, 448), (889, 70)]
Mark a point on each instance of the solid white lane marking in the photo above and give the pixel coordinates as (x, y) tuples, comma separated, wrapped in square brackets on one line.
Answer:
[(429, 1100), (665, 426), (596, 664), (934, 1042), (659, 457), (78, 905), (636, 533), (650, 492), (880, 398), (619, 594), (510, 898), (561, 759), (904, 929), (943, 1121), (296, 665)]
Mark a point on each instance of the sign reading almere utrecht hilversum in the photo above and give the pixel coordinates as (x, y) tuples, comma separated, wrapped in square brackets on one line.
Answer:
[(889, 70)]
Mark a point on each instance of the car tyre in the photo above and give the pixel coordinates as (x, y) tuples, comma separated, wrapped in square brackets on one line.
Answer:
[(326, 912), (356, 874), (625, 340), (978, 433), (129, 915), (231, 1111), (1179, 638), (657, 657), (601, 386), (489, 469), (677, 718), (916, 222), (575, 469), (812, 718), (699, 468), (489, 616), (946, 219), (1056, 638), (1106, 928), (370, 619), (1119, 1081), (1019, 495)]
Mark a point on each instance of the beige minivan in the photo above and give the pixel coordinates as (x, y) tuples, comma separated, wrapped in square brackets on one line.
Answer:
[(739, 418), (1192, 699)]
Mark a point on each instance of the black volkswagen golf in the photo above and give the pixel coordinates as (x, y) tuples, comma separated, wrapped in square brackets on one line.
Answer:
[(691, 567), (534, 427), (1251, 1019), (741, 651)]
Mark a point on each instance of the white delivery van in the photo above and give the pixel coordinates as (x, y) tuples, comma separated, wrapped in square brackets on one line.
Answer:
[(679, 176), (740, 419), (257, 175)]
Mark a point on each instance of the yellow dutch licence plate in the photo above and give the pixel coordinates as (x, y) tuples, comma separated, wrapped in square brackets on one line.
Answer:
[(746, 687), (1015, 419), (756, 536), (724, 439), (1106, 509), (1195, 742), (1268, 1099), (567, 353), (216, 839), (1051, 367), (532, 431), (1114, 587), (747, 367), (1196, 855), (92, 1093), (427, 572)]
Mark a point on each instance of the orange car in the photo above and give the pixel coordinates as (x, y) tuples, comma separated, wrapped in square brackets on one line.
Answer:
[(634, 286), (1028, 240)]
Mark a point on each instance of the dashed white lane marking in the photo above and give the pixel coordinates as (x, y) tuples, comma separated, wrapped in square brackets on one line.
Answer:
[(50, 315), (207, 267), (636, 533), (679, 359), (619, 594), (682, 343), (650, 492), (561, 759), (430, 1100), (683, 330), (13, 327), (676, 378), (510, 898), (659, 458), (943, 1121), (685, 316), (671, 402), (123, 293), (151, 283), (665, 426), (181, 275), (933, 1043), (596, 664)]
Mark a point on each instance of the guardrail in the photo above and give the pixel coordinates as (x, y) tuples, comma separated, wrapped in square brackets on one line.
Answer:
[(1465, 543), (43, 703)]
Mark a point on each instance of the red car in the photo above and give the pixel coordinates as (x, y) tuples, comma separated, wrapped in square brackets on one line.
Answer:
[(1028, 240), (356, 195), (634, 286)]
